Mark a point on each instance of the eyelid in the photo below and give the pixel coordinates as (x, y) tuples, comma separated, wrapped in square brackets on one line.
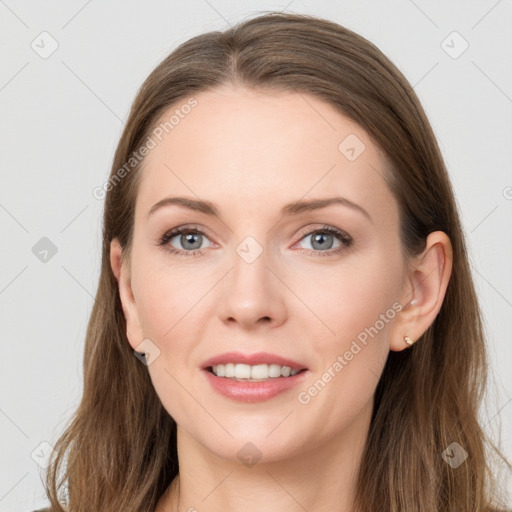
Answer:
[(342, 236), (345, 239), (179, 230), (324, 227)]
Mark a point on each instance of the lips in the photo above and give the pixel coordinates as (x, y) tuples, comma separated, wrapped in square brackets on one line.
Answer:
[(252, 360)]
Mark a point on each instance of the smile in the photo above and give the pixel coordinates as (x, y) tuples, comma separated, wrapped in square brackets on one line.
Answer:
[(255, 373)]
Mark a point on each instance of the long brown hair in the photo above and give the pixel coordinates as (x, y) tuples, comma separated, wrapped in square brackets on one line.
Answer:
[(118, 452)]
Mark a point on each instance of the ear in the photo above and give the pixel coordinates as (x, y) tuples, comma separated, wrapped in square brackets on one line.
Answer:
[(424, 290), (121, 269)]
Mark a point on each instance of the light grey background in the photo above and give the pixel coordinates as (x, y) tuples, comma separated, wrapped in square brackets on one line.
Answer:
[(61, 119)]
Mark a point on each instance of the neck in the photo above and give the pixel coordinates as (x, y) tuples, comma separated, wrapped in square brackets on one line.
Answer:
[(320, 477)]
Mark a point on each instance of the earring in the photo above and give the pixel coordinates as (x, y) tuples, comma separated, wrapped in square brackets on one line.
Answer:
[(408, 340)]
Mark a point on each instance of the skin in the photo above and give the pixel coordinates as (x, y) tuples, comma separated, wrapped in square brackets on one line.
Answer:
[(250, 153)]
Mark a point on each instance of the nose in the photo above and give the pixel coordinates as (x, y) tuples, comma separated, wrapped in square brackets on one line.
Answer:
[(252, 295)]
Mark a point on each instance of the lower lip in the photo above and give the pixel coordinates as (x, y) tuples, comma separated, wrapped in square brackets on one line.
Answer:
[(245, 391)]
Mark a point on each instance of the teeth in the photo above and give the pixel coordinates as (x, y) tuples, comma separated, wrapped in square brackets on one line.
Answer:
[(230, 370), (253, 373)]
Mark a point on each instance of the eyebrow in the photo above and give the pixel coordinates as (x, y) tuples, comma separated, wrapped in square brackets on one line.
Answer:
[(295, 208)]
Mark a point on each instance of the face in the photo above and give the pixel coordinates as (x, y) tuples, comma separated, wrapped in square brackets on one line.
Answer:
[(321, 287)]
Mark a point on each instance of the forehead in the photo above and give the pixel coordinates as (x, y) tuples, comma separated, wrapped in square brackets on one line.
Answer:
[(250, 147)]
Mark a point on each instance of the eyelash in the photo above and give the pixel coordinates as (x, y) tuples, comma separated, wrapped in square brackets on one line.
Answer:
[(342, 237)]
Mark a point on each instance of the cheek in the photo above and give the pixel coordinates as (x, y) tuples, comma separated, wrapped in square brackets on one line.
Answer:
[(357, 313), (169, 305), (349, 298), (168, 295)]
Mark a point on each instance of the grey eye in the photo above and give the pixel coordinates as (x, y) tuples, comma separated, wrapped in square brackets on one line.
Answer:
[(188, 241), (321, 241)]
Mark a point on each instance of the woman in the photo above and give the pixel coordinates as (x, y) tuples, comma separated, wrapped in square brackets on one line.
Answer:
[(267, 377)]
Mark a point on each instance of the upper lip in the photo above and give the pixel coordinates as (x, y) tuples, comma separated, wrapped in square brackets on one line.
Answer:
[(252, 360)]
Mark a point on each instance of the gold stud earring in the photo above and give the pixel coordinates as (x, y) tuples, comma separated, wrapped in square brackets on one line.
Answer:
[(408, 340)]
